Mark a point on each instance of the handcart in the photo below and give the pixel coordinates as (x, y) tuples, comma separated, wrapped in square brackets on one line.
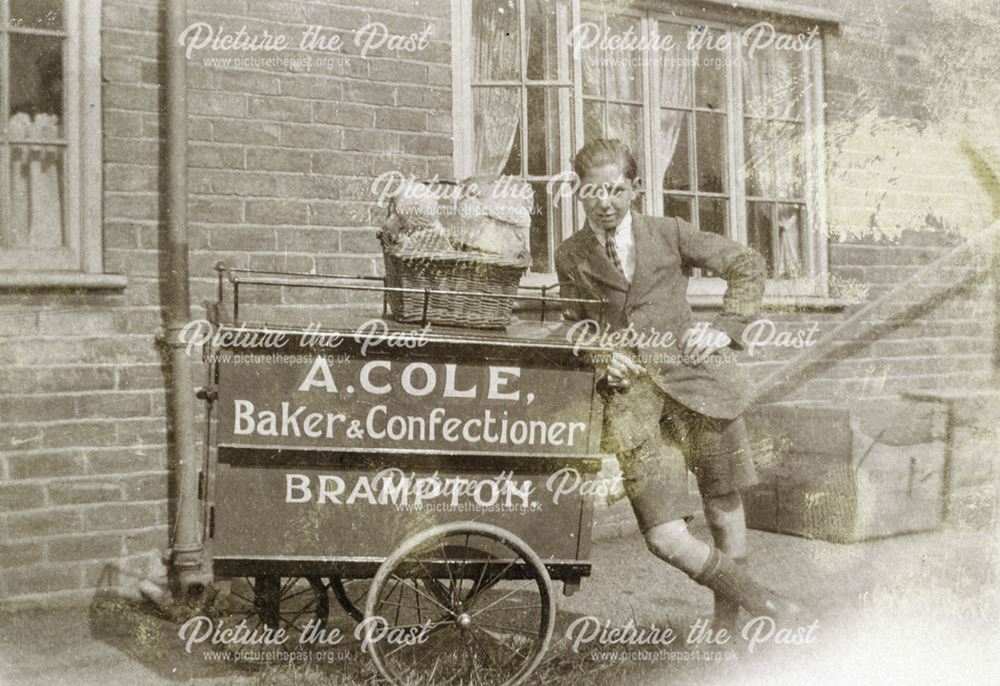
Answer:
[(430, 479)]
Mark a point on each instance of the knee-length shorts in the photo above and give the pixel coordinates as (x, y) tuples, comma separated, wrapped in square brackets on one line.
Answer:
[(658, 441)]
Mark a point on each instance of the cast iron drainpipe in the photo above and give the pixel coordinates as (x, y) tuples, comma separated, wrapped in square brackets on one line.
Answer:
[(186, 554)]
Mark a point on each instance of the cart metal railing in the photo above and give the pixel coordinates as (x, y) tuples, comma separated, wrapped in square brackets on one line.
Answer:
[(237, 276)]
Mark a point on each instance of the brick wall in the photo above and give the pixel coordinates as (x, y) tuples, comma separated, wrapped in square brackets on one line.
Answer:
[(943, 344), (281, 160), (907, 110)]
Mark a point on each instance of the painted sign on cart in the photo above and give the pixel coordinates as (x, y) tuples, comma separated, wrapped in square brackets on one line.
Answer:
[(337, 403), (363, 510)]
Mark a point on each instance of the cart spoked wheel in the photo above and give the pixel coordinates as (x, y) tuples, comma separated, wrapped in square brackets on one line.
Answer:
[(460, 603), (289, 603), (351, 594)]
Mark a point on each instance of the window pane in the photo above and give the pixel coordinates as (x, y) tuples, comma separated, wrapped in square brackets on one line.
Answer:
[(710, 74), (624, 67), (548, 58), (710, 146), (545, 221), (544, 130), (513, 165), (759, 235), (789, 253), (673, 150), (677, 206), (625, 124), (713, 215), (39, 91), (593, 120), (757, 157), (496, 113), (36, 197), (773, 83), (591, 57), (789, 169), (495, 28), (36, 14), (593, 76), (787, 83), (756, 83), (672, 68)]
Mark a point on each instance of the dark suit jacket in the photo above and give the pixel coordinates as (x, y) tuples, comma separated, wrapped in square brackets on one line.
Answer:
[(656, 302)]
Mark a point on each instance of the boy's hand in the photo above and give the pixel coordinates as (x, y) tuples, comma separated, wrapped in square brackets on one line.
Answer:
[(622, 369), (701, 341)]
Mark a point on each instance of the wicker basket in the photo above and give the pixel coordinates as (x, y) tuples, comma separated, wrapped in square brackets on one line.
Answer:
[(489, 284)]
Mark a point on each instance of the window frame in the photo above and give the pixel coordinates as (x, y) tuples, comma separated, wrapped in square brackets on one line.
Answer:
[(463, 84), (82, 136), (701, 290)]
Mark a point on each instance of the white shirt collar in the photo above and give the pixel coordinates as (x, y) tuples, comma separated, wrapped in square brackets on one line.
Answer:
[(624, 244), (623, 229)]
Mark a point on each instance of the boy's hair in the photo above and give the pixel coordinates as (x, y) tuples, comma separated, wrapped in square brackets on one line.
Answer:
[(601, 151)]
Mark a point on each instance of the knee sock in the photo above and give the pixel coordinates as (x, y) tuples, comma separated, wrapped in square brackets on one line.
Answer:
[(725, 577), (727, 523)]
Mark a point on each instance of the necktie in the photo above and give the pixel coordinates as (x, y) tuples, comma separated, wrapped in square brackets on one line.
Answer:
[(612, 250)]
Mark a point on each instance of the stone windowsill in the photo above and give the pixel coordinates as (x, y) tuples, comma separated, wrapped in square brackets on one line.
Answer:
[(61, 280), (801, 303), (699, 296)]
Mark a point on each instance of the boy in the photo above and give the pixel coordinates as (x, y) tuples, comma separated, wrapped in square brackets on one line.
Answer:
[(675, 406)]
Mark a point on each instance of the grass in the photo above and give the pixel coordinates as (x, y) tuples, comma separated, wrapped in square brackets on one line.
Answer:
[(151, 638), (562, 668)]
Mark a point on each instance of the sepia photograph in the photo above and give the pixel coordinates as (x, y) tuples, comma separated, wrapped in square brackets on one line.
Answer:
[(499, 342)]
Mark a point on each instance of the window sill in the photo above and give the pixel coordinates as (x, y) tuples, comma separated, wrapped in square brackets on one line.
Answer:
[(801, 295), (703, 294), (817, 303), (62, 280)]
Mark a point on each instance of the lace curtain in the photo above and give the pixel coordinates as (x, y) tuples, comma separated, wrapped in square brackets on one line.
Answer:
[(673, 74), (496, 110), (36, 216), (772, 89)]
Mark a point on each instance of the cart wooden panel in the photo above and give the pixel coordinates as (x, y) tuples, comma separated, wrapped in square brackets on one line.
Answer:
[(472, 428)]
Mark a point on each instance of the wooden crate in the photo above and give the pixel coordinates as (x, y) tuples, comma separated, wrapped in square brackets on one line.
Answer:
[(847, 474)]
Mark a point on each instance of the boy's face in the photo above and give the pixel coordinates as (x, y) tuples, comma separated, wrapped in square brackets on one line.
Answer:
[(606, 195)]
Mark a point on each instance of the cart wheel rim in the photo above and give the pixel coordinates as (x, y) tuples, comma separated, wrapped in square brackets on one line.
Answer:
[(484, 621)]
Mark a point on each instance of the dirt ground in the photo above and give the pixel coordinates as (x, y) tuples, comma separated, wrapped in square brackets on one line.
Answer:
[(915, 609)]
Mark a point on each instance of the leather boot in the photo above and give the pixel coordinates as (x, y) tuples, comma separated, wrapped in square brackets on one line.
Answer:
[(727, 579)]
